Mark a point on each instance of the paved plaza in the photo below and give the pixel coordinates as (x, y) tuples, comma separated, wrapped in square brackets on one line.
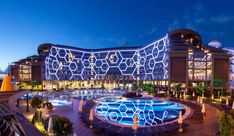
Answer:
[(206, 127)]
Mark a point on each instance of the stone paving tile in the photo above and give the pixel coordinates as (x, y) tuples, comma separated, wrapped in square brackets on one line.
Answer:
[(71, 112), (208, 127)]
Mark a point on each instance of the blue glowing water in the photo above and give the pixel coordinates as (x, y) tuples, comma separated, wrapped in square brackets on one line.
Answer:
[(96, 93), (149, 112), (60, 102), (31, 95)]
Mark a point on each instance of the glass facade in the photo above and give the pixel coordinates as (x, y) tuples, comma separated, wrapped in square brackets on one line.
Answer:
[(199, 65), (146, 63)]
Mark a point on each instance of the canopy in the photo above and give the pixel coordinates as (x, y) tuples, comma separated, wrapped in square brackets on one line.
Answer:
[(6, 84)]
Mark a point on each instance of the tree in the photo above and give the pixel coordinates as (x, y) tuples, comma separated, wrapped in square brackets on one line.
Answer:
[(200, 89), (177, 87), (103, 86), (226, 125), (34, 84), (62, 126), (36, 102), (140, 86), (149, 88), (134, 86)]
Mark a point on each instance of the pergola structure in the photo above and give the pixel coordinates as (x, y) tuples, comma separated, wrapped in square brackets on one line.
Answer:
[(9, 126)]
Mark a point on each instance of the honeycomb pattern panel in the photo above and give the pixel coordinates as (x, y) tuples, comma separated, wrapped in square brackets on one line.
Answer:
[(154, 60), (148, 63), (122, 111)]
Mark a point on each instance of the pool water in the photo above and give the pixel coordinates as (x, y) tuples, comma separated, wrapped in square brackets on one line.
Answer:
[(149, 112), (31, 95), (57, 102), (96, 93)]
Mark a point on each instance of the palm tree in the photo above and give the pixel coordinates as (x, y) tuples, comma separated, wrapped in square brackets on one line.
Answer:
[(134, 86), (140, 86), (177, 87), (34, 84), (200, 89), (149, 88)]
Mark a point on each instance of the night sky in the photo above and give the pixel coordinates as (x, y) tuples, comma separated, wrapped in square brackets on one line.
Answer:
[(106, 23)]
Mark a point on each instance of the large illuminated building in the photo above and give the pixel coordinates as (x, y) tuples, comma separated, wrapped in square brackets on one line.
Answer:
[(178, 57)]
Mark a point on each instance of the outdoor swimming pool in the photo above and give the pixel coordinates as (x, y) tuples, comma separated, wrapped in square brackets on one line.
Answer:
[(96, 93), (149, 112), (64, 98), (59, 102)]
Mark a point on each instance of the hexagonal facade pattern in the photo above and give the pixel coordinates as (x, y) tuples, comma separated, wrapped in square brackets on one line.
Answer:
[(64, 63), (148, 112)]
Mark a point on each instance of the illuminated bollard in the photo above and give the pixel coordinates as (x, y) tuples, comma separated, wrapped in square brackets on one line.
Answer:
[(198, 99), (50, 127), (135, 125), (203, 110), (184, 95), (212, 96), (180, 121), (91, 118), (227, 101), (201, 100), (233, 105), (80, 107), (193, 94)]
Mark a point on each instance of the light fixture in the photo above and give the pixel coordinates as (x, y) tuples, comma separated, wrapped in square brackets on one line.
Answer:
[(206, 51)]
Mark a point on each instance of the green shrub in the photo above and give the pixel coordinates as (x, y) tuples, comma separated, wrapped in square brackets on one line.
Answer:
[(231, 112), (226, 125), (62, 126), (48, 104), (152, 93), (36, 102), (131, 94), (149, 88)]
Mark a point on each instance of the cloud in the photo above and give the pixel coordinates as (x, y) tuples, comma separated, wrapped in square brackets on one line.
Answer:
[(222, 19), (210, 25)]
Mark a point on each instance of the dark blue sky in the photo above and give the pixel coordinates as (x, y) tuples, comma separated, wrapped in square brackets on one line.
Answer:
[(106, 23)]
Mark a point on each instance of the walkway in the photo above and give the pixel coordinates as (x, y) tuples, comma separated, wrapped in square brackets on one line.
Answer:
[(71, 112), (207, 127)]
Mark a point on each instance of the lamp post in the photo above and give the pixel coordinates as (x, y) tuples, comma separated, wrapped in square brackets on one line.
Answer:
[(27, 108), (17, 102)]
